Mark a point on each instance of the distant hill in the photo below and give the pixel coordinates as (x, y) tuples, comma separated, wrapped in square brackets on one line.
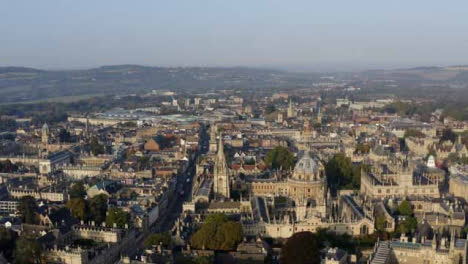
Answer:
[(25, 84), (12, 69), (421, 74), (21, 84)]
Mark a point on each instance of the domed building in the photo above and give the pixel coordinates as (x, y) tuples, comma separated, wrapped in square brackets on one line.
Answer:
[(307, 169), (307, 182)]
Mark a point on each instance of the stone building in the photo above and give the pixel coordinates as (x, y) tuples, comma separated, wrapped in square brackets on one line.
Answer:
[(438, 250), (221, 185), (396, 178)]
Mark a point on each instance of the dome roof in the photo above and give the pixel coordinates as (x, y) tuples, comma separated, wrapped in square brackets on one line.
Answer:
[(306, 165)]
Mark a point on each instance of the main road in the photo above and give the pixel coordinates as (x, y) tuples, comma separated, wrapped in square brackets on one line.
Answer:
[(166, 221)]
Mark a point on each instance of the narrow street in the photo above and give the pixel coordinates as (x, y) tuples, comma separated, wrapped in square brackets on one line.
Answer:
[(174, 209)]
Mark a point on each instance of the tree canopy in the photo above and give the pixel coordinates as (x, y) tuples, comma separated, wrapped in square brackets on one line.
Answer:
[(28, 251), (380, 222), (270, 109), (78, 208), (279, 157), (7, 242), (301, 248), (218, 233), (405, 208), (408, 222), (27, 208), (77, 190), (117, 216), (448, 135), (342, 174), (158, 238), (98, 208), (414, 133), (96, 147)]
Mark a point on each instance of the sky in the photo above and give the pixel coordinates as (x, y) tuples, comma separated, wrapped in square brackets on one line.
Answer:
[(288, 34)]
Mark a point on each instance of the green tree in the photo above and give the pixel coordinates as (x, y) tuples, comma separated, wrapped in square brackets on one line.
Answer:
[(380, 222), (448, 134), (362, 148), (279, 157), (7, 242), (28, 251), (301, 248), (342, 174), (230, 234), (414, 133), (156, 239), (117, 216), (96, 147), (27, 208), (405, 208), (270, 109), (98, 208), (326, 237), (144, 162), (64, 135), (218, 233), (78, 208), (408, 225), (77, 190)]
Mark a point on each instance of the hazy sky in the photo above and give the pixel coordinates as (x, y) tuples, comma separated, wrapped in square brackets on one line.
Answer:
[(291, 34)]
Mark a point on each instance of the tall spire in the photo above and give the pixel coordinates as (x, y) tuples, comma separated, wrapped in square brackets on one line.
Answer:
[(221, 174), (221, 149), (290, 109)]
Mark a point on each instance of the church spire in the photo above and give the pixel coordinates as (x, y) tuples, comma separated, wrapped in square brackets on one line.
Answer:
[(221, 149), (221, 174)]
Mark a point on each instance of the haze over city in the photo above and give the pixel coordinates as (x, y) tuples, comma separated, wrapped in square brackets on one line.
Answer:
[(291, 35)]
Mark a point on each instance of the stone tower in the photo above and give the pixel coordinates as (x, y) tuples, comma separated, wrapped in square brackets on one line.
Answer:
[(45, 134), (213, 145), (221, 174), (291, 112)]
